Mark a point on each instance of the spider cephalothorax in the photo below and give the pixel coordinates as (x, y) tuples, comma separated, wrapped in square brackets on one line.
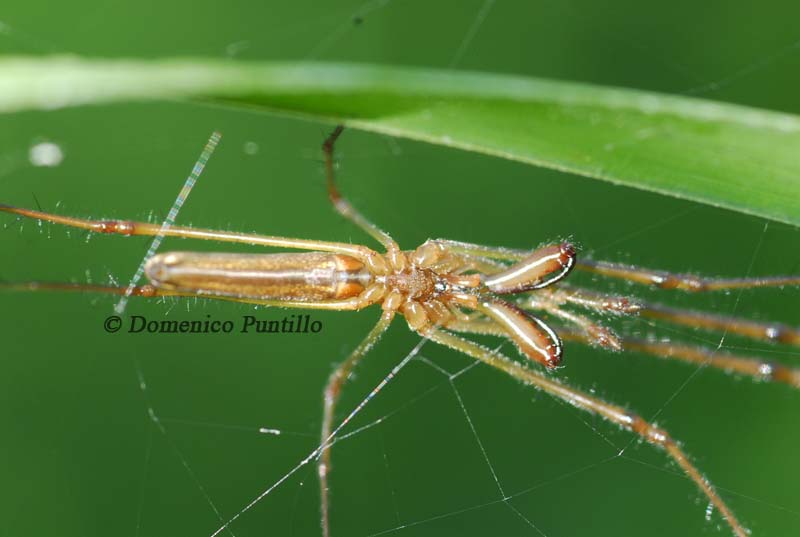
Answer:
[(434, 286)]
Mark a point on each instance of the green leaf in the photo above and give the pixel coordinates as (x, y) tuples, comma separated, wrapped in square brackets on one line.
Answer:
[(725, 155)]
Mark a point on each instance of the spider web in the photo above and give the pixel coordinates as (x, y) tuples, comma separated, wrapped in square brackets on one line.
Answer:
[(485, 479)]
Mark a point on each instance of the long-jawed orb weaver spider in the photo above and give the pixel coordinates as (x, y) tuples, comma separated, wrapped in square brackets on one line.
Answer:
[(445, 289)]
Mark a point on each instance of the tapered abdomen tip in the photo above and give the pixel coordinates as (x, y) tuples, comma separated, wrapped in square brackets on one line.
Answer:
[(568, 252)]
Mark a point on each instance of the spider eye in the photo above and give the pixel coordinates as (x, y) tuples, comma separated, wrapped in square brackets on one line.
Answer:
[(440, 287)]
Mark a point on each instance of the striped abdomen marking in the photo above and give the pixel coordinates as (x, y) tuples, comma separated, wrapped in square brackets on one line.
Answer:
[(308, 276), (533, 337), (543, 267)]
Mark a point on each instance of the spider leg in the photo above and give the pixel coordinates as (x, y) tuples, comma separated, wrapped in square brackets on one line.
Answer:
[(763, 331), (752, 329), (331, 395), (684, 282), (476, 325), (757, 368), (438, 256), (597, 335), (594, 332), (142, 290), (148, 291), (489, 252), (366, 255), (754, 367), (345, 208), (591, 300), (480, 264), (613, 413)]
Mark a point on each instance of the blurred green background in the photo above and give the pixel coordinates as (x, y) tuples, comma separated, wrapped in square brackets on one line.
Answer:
[(80, 455)]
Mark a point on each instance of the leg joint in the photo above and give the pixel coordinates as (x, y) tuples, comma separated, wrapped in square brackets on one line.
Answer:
[(654, 435)]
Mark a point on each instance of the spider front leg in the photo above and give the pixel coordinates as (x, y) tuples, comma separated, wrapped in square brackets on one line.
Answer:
[(613, 413), (369, 257)]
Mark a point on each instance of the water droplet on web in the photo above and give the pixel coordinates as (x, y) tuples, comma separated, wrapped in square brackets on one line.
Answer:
[(250, 148), (709, 512), (45, 154)]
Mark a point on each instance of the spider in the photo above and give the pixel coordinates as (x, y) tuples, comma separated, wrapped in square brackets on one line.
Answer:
[(445, 290)]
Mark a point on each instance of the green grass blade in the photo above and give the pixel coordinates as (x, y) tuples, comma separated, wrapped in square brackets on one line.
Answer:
[(731, 156)]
